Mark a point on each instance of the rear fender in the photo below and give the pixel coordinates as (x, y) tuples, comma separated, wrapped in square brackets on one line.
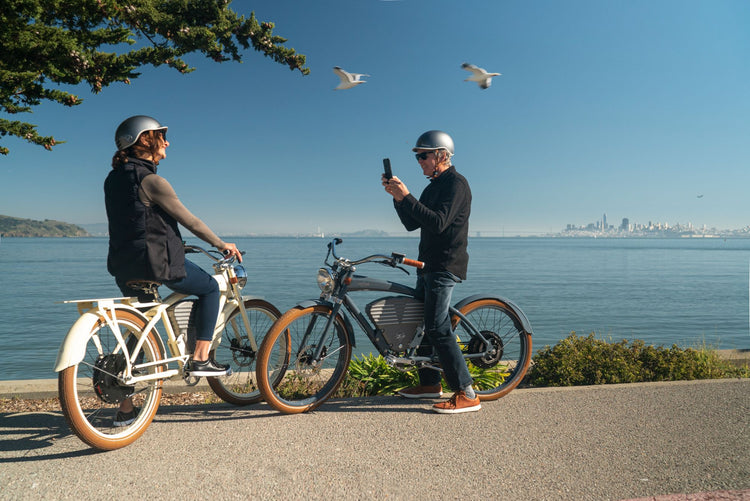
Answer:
[(309, 303), (513, 307), (73, 348)]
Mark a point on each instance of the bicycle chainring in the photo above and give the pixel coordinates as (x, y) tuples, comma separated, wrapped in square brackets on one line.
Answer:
[(107, 384), (495, 353)]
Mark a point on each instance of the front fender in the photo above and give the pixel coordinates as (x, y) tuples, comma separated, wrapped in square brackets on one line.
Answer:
[(510, 304), (73, 348), (309, 303)]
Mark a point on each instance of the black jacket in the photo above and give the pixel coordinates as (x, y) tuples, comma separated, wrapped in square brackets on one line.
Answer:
[(442, 212), (144, 242)]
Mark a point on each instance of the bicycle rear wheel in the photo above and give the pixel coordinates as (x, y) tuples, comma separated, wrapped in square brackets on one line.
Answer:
[(289, 351), (235, 350), (508, 358), (90, 392)]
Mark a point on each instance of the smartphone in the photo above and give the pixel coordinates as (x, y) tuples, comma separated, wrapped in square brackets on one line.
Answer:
[(387, 168)]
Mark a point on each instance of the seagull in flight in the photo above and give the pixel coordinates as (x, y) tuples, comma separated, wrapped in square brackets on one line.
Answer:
[(479, 75), (348, 80)]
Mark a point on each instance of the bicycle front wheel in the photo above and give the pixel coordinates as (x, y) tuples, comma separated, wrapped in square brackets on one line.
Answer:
[(235, 350), (506, 361), (311, 351), (91, 391)]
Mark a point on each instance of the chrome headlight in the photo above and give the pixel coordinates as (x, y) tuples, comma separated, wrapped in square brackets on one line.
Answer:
[(241, 274), (325, 280)]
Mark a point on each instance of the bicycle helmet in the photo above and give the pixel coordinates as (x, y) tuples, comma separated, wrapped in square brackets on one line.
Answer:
[(130, 130), (434, 140)]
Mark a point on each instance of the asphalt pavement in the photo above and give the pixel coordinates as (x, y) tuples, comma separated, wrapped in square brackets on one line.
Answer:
[(682, 440)]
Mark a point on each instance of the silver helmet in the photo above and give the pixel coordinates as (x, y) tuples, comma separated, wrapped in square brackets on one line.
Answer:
[(434, 140), (130, 130)]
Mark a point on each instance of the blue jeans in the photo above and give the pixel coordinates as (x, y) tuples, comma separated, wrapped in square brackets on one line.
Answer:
[(196, 283), (435, 289)]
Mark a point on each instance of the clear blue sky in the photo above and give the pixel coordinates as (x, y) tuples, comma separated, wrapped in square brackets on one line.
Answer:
[(632, 109)]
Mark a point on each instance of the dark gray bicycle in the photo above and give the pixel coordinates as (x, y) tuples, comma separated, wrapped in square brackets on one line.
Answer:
[(305, 355)]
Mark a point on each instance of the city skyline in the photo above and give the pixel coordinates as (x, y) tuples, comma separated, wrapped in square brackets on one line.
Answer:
[(628, 228)]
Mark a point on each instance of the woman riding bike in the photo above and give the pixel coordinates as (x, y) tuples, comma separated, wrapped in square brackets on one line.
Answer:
[(143, 211)]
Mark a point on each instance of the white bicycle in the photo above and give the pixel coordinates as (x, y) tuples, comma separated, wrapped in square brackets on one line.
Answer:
[(114, 352)]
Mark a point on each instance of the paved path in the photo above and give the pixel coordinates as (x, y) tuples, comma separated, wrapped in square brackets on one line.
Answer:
[(586, 443)]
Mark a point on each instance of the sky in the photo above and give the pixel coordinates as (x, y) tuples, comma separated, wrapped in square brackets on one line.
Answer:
[(637, 109)]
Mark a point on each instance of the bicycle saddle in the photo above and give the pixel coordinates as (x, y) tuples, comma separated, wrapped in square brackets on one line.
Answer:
[(149, 288)]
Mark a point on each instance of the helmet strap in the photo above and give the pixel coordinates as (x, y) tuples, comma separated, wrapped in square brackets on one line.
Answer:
[(442, 158)]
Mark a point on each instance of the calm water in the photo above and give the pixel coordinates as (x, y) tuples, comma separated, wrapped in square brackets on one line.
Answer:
[(684, 292)]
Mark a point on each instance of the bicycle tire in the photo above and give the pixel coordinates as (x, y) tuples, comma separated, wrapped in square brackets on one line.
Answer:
[(89, 416), (241, 387), (286, 352), (511, 353)]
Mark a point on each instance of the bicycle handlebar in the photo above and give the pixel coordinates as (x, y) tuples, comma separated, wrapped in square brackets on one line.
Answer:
[(393, 260), (194, 249), (414, 263)]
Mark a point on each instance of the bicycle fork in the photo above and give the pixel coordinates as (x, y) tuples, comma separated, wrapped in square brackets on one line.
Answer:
[(320, 348)]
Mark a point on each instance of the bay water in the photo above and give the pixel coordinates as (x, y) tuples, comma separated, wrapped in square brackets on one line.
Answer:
[(688, 292)]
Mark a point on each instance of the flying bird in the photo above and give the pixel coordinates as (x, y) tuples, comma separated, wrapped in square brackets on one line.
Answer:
[(348, 80), (479, 75), (700, 196)]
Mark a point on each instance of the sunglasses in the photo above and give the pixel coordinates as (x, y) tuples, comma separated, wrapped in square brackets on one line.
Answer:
[(423, 155)]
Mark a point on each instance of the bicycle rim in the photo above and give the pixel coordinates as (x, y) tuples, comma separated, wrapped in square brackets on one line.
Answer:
[(289, 352), (90, 406), (502, 369), (235, 350)]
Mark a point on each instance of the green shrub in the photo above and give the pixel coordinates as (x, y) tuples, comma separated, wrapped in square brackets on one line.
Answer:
[(586, 360), (371, 375)]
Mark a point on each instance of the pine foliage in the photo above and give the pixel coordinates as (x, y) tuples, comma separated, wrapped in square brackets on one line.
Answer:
[(46, 43)]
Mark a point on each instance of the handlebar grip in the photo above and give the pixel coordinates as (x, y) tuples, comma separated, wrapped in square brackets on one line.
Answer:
[(414, 263)]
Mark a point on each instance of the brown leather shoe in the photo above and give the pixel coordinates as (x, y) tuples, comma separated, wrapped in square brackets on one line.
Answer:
[(422, 392), (457, 404)]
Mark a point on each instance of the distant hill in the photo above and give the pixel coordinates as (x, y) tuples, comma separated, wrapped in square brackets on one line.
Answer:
[(17, 227)]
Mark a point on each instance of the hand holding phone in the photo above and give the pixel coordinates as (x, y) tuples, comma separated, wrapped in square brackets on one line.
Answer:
[(387, 168)]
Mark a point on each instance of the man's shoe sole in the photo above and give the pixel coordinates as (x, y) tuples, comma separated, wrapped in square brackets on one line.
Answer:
[(473, 408)]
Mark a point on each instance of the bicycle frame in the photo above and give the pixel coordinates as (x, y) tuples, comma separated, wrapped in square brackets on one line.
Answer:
[(348, 282), (375, 335), (92, 310)]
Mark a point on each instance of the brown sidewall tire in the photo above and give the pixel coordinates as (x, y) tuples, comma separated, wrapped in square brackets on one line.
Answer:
[(280, 328), (75, 416), (519, 374)]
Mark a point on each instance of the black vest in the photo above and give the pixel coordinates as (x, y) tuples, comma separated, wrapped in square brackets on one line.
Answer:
[(144, 242)]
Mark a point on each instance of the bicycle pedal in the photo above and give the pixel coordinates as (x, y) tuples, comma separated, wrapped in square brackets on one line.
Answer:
[(191, 380)]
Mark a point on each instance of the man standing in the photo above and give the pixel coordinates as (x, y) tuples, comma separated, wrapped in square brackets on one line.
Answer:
[(442, 215)]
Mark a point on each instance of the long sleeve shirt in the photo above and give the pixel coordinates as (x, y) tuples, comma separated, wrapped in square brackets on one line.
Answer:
[(155, 190), (442, 215)]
